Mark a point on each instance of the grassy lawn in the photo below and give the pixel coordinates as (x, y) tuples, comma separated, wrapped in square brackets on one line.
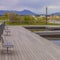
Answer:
[(37, 30), (41, 23)]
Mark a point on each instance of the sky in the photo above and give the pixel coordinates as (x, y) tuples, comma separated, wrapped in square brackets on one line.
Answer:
[(37, 6)]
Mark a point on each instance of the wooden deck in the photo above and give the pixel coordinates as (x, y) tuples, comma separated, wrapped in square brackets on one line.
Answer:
[(29, 46)]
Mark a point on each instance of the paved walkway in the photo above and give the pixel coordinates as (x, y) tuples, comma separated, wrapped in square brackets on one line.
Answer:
[(28, 46)]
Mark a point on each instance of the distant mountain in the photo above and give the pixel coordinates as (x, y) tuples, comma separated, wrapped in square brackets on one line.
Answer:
[(57, 13), (2, 12), (27, 12), (24, 12)]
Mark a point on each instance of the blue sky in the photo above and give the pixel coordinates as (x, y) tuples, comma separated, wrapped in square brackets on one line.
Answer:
[(37, 6)]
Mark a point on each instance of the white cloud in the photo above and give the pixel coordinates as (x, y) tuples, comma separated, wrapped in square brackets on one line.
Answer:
[(54, 7), (37, 6)]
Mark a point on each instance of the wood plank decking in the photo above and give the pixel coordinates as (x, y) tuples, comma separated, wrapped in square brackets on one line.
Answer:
[(28, 46)]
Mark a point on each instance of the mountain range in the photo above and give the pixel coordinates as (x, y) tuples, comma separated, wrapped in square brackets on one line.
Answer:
[(57, 13), (23, 12)]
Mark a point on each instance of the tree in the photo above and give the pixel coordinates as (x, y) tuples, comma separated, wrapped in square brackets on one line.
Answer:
[(28, 19)]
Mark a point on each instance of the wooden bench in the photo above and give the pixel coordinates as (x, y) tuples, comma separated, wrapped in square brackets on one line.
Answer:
[(7, 45)]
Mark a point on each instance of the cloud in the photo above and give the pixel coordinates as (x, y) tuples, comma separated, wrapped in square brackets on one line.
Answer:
[(54, 7), (37, 6)]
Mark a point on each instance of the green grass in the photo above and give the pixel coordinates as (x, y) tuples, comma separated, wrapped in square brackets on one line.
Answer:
[(53, 24), (37, 30), (42, 23)]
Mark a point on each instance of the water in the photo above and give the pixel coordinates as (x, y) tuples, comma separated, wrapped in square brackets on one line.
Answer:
[(54, 39), (56, 42)]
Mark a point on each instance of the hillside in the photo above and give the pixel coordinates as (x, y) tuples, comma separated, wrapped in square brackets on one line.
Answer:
[(24, 12)]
